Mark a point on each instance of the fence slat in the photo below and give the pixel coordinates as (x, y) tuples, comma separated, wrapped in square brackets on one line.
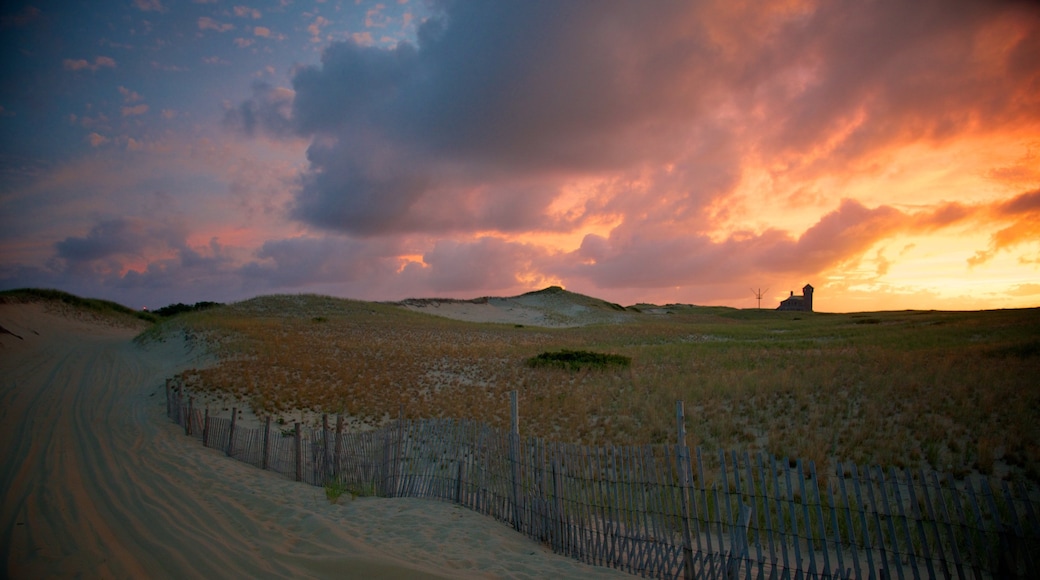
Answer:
[(810, 540), (974, 504), (822, 523), (915, 511), (1020, 541)]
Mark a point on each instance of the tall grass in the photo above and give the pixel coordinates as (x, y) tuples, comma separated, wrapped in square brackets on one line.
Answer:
[(954, 391), (94, 305)]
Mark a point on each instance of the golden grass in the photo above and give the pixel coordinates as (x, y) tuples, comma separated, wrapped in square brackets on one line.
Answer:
[(951, 391)]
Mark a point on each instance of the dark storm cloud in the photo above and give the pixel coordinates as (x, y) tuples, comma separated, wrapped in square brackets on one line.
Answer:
[(492, 94), (117, 237), (546, 91), (135, 259)]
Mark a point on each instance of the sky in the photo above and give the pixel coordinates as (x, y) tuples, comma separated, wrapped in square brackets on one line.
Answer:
[(701, 152)]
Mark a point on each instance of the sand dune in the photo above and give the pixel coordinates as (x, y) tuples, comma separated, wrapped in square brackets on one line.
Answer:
[(98, 484), (550, 307)]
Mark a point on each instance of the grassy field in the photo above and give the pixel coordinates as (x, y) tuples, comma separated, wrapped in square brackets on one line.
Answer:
[(954, 391)]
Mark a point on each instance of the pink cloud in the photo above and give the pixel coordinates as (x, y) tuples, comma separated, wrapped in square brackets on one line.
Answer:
[(83, 64), (207, 23), (149, 5), (129, 96), (246, 12), (135, 110)]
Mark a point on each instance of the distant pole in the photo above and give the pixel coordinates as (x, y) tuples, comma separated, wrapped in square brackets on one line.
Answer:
[(758, 294)]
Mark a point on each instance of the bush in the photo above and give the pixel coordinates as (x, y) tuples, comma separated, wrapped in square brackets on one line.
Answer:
[(578, 359), (181, 308)]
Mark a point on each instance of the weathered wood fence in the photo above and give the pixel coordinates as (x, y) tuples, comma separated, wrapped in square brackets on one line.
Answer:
[(656, 510)]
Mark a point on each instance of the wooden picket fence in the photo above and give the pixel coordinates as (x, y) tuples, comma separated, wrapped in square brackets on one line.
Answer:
[(657, 510)]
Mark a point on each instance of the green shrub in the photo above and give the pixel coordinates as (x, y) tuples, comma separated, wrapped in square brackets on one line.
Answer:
[(578, 359)]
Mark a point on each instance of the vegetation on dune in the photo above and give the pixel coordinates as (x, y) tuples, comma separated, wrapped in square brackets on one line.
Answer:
[(576, 360), (181, 308), (955, 391), (94, 305)]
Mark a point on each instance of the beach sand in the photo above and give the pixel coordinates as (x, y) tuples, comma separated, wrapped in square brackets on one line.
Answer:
[(98, 483)]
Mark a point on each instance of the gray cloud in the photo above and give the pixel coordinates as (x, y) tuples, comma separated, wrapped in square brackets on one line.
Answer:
[(541, 92), (118, 237), (270, 110), (98, 264), (492, 94), (299, 262)]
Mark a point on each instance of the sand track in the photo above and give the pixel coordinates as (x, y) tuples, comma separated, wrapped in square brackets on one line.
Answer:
[(98, 484)]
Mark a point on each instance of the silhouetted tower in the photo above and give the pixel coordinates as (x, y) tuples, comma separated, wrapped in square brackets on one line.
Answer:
[(758, 294), (807, 293)]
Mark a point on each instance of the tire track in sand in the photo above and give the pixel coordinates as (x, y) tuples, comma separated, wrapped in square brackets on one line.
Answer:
[(97, 483)]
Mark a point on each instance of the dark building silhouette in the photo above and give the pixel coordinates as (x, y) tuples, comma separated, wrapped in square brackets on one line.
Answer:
[(801, 303)]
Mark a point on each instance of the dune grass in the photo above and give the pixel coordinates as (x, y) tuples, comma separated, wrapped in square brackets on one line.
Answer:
[(954, 391), (93, 305)]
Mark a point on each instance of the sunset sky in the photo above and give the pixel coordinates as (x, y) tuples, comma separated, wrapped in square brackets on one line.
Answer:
[(888, 153)]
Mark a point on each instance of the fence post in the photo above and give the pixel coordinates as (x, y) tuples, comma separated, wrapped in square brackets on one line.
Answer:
[(266, 444), (399, 451), (168, 398), (326, 461), (514, 457), (559, 518), (338, 446), (205, 429), (191, 411), (231, 432), (683, 464), (180, 403), (458, 482), (299, 453), (387, 458)]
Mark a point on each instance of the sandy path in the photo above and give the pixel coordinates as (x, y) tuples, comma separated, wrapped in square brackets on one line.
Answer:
[(98, 484)]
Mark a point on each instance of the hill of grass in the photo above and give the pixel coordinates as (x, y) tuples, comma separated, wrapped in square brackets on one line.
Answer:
[(955, 391)]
